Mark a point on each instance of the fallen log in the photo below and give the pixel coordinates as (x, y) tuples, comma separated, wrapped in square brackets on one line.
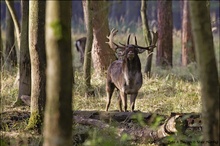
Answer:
[(118, 116), (175, 123)]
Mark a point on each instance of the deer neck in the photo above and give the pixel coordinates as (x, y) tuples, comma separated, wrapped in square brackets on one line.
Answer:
[(133, 65), (130, 69)]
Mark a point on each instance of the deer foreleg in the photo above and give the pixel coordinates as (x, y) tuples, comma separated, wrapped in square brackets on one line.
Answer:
[(124, 100), (132, 101), (119, 103)]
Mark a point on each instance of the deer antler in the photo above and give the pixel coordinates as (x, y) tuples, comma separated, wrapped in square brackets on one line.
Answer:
[(113, 45), (153, 44), (128, 40)]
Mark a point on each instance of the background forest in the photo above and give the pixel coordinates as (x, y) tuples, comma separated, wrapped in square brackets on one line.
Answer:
[(57, 97)]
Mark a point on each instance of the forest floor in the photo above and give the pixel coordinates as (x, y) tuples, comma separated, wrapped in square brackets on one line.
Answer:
[(162, 95)]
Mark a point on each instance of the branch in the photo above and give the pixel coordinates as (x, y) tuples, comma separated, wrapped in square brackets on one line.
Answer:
[(15, 20)]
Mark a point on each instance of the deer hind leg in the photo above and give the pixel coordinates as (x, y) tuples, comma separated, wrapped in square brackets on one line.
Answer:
[(124, 100), (109, 89), (132, 101)]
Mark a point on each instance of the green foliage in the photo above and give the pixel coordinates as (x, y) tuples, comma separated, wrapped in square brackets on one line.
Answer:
[(106, 137), (3, 142), (140, 119)]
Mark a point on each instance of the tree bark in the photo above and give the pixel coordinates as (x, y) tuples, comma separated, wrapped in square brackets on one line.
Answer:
[(10, 51), (165, 29), (58, 114), (1, 57), (87, 56), (102, 55), (24, 61), (207, 68), (145, 26), (188, 54), (38, 62)]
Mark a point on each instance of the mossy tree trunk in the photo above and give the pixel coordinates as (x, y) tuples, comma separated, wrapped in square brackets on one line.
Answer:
[(38, 62), (102, 55), (87, 57), (188, 54), (24, 61), (147, 36), (10, 50), (164, 56), (207, 68), (58, 113)]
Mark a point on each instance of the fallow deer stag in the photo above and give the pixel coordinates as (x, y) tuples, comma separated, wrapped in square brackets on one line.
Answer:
[(125, 73)]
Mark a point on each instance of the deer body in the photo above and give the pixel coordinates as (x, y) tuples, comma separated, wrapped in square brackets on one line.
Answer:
[(126, 76), (125, 73)]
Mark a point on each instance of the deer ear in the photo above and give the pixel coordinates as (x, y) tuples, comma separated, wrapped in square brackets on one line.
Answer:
[(140, 50)]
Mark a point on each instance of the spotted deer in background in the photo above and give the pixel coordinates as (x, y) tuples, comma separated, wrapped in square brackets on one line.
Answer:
[(80, 47)]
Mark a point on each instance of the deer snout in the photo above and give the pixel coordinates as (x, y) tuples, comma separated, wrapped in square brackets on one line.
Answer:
[(130, 55)]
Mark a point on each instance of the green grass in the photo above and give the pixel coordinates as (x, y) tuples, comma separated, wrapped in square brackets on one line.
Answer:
[(163, 93)]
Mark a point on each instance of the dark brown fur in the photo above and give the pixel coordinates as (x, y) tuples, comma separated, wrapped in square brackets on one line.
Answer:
[(126, 76)]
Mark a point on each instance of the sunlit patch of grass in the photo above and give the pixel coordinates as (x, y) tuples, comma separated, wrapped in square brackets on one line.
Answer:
[(9, 89), (163, 93), (168, 94)]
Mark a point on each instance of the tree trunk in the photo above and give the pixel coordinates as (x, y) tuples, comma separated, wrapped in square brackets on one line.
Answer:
[(205, 55), (58, 114), (188, 54), (87, 56), (10, 6), (38, 62), (24, 61), (165, 41), (1, 57), (147, 36), (10, 51), (145, 26), (102, 55)]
